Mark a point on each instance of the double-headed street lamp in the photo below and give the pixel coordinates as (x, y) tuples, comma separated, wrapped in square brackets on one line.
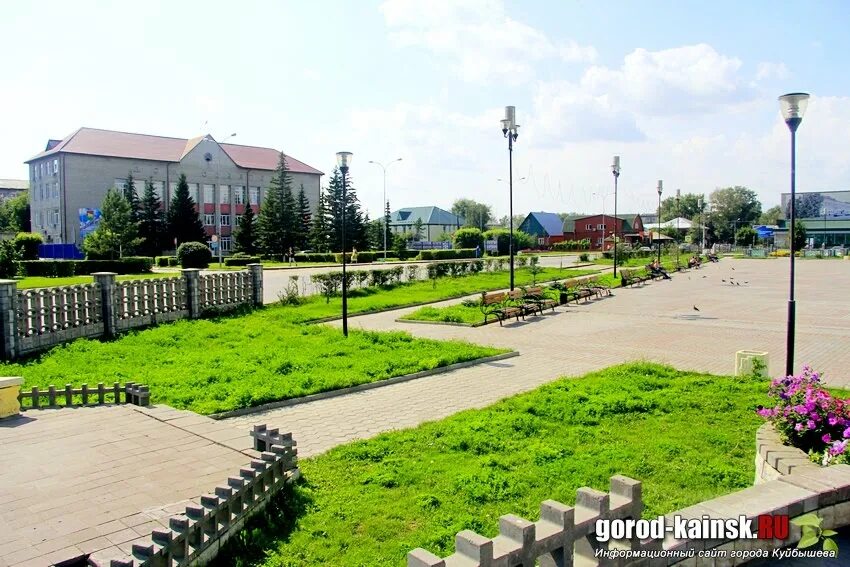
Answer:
[(384, 212), (615, 169), (793, 107), (510, 130), (343, 159), (658, 224)]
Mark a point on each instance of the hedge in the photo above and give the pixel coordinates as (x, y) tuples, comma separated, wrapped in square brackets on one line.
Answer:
[(66, 268), (314, 257), (447, 254), (27, 243), (241, 260), (362, 257)]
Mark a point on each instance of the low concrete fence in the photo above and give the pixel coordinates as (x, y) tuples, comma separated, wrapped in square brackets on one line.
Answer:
[(36, 319), (196, 536), (51, 397), (565, 535), (774, 459)]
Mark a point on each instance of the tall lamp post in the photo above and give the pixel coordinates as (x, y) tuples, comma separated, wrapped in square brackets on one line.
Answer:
[(384, 206), (510, 130), (702, 226), (343, 159), (615, 169), (658, 224), (218, 205), (793, 107), (678, 195)]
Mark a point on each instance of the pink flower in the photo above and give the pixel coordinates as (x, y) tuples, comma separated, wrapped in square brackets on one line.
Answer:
[(826, 438)]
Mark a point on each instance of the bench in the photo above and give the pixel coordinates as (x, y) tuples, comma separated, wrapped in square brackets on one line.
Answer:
[(501, 305), (534, 298), (632, 277), (595, 287)]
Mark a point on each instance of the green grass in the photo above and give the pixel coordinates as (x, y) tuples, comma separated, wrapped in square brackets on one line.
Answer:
[(687, 436), (33, 281), (210, 366), (372, 299)]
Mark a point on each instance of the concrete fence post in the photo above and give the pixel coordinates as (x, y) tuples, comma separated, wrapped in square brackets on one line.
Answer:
[(9, 318), (257, 281), (193, 293), (107, 301)]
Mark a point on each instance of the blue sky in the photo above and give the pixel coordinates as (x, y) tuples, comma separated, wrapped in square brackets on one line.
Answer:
[(682, 91)]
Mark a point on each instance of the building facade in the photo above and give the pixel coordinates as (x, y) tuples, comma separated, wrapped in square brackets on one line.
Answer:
[(70, 178), (595, 228), (825, 214), (10, 188), (433, 222), (547, 228)]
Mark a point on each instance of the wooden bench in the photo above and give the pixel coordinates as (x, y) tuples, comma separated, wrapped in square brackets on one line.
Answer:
[(501, 305), (595, 287), (577, 293), (534, 298), (632, 277)]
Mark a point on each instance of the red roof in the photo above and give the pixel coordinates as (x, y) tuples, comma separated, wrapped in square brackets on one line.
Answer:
[(93, 141)]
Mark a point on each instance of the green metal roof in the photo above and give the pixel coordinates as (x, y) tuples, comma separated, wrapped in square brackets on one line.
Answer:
[(428, 215)]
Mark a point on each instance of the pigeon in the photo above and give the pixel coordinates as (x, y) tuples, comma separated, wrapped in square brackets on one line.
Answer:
[(737, 283), (695, 308), (704, 277), (724, 281), (746, 282), (733, 269)]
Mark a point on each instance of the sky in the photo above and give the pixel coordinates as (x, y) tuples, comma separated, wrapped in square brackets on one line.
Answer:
[(684, 91)]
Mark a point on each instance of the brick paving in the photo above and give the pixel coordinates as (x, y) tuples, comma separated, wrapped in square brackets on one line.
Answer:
[(654, 322), (76, 481)]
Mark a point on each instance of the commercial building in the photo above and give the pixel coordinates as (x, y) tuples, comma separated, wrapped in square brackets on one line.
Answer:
[(432, 222), (629, 227), (825, 214), (70, 178)]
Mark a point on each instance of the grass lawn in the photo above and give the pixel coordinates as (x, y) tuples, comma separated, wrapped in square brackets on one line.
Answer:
[(687, 436), (210, 366), (471, 314), (371, 299), (32, 282)]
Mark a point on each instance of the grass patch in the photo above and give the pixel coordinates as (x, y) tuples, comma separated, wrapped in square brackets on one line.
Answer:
[(37, 281), (368, 300), (687, 436), (216, 365)]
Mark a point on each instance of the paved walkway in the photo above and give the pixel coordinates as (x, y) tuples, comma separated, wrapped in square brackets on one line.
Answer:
[(655, 322), (76, 481)]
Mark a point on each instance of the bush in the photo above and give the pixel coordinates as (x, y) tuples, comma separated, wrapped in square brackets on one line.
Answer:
[(67, 268), (447, 254), (584, 257), (468, 238), (362, 257), (243, 260), (315, 257), (194, 255), (165, 261), (572, 245), (27, 243), (9, 256), (502, 238)]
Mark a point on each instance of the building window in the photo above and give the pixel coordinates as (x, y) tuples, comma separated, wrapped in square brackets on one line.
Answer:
[(120, 183), (172, 189), (225, 244), (38, 222), (54, 217), (33, 172), (224, 194), (55, 166), (224, 220), (238, 195), (193, 192), (600, 227), (42, 169), (209, 220), (254, 195), (209, 193), (237, 220), (589, 227)]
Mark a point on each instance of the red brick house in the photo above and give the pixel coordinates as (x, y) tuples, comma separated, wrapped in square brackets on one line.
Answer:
[(629, 227)]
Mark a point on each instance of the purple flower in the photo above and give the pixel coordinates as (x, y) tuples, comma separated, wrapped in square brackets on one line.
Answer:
[(838, 447), (811, 425), (826, 438), (798, 427)]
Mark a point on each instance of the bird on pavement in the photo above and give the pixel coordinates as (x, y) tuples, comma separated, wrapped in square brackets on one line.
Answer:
[(733, 269), (737, 283), (695, 308), (724, 281), (746, 282), (704, 277)]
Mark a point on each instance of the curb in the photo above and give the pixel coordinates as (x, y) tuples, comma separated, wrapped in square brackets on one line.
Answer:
[(361, 387), (450, 324)]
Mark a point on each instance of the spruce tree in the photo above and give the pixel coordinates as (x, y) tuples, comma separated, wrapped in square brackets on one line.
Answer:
[(321, 227), (355, 228), (304, 216), (151, 222), (132, 197), (273, 222), (291, 223), (183, 222), (244, 238), (387, 220)]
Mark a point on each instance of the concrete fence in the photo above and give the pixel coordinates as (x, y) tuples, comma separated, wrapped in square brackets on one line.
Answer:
[(565, 535), (36, 319), (196, 536), (51, 397)]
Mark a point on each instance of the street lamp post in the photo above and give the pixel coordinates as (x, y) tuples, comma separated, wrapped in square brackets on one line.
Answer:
[(615, 169), (678, 195), (793, 107), (343, 159), (384, 206), (658, 224), (510, 130), (218, 240)]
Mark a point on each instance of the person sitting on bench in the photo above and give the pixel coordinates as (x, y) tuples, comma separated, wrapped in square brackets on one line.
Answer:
[(657, 270), (713, 257), (694, 262)]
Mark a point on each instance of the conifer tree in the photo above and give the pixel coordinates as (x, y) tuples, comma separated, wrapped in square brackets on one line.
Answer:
[(355, 229), (151, 222), (245, 235), (303, 217), (321, 228), (183, 222), (132, 197), (274, 223)]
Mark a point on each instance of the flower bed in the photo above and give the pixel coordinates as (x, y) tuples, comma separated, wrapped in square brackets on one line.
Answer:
[(808, 417)]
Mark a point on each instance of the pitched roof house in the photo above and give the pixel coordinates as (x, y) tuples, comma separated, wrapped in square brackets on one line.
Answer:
[(546, 227), (433, 220)]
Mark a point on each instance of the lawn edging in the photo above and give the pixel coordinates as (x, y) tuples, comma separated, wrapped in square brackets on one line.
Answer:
[(362, 387), (774, 459)]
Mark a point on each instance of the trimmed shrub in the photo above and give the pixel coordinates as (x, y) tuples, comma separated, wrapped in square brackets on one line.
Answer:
[(362, 257), (10, 254), (447, 254), (194, 255), (27, 243), (162, 261), (128, 265), (468, 238), (243, 260)]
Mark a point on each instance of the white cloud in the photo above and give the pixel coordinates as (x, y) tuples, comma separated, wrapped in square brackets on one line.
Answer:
[(478, 39), (768, 70)]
